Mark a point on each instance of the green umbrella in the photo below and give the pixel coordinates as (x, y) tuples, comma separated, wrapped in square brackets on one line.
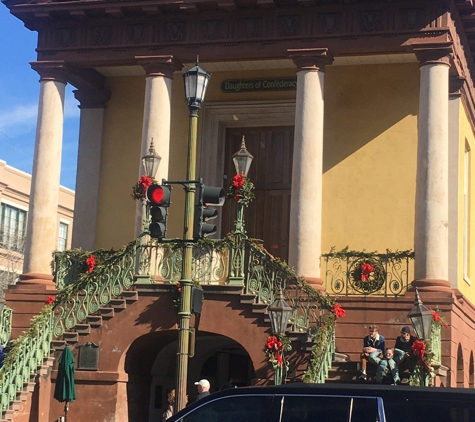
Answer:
[(64, 390)]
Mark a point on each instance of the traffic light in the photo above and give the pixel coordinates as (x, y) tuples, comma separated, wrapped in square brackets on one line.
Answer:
[(205, 196), (159, 201)]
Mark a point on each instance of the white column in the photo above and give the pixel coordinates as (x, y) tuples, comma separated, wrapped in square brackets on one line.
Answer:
[(157, 115), (92, 105), (307, 167), (42, 229), (431, 270)]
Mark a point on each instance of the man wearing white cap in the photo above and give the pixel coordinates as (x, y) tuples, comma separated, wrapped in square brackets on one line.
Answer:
[(203, 389)]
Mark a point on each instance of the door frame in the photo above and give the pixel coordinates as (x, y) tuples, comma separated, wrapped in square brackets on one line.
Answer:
[(217, 117)]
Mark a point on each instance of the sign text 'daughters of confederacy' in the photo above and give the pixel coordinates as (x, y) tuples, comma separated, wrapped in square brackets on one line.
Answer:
[(270, 84)]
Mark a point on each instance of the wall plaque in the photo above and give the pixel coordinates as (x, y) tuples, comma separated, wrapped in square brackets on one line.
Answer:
[(266, 84), (89, 357)]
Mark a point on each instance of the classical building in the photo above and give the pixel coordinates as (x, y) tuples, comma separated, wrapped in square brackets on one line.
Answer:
[(360, 116), (14, 201)]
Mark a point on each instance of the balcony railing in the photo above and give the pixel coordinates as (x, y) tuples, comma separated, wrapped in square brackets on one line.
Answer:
[(347, 273)]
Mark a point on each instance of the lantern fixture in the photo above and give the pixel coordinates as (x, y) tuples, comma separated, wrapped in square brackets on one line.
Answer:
[(242, 159), (279, 313), (196, 81), (151, 161), (421, 318)]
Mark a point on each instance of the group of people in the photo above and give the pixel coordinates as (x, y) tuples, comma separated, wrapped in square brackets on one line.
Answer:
[(388, 360), (203, 387)]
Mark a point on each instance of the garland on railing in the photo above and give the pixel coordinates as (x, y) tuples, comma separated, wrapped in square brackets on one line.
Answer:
[(319, 348), (94, 266), (37, 324), (421, 356), (388, 256)]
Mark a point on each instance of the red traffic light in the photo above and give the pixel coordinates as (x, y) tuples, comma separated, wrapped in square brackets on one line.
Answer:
[(159, 195)]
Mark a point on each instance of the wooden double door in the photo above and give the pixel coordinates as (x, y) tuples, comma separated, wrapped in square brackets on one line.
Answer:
[(268, 216)]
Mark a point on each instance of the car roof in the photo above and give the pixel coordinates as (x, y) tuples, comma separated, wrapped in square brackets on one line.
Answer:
[(394, 393)]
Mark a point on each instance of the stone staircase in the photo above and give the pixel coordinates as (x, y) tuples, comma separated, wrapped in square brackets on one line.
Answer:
[(78, 335)]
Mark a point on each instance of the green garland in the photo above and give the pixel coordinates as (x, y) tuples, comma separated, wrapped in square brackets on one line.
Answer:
[(37, 323), (388, 256)]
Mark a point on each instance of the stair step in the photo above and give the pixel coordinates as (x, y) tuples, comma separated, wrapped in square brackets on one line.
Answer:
[(58, 344), (247, 298), (15, 405), (83, 329), (118, 303), (29, 386), (106, 313), (130, 296), (94, 320), (71, 337), (23, 395), (259, 308)]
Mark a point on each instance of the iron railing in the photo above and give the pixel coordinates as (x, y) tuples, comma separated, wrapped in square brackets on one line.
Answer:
[(26, 355), (6, 314), (390, 276)]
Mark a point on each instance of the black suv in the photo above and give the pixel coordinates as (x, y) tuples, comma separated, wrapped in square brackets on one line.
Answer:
[(333, 403)]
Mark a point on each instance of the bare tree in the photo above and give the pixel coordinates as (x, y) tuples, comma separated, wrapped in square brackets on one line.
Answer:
[(12, 248)]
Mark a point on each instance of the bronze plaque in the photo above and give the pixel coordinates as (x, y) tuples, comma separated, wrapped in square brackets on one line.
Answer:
[(89, 357)]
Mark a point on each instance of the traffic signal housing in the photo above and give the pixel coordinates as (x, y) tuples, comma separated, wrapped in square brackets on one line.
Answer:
[(159, 201), (206, 196)]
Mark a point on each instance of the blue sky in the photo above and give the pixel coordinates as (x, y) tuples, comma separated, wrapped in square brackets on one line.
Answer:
[(19, 90)]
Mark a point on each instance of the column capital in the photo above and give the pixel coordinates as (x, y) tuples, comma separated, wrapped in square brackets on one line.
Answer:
[(433, 53), (92, 98), (159, 65), (455, 84), (54, 70), (310, 58)]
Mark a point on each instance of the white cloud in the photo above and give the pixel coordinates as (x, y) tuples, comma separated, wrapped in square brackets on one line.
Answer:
[(18, 119)]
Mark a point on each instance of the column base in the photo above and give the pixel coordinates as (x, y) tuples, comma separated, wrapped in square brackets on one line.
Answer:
[(431, 285), (30, 279), (316, 283)]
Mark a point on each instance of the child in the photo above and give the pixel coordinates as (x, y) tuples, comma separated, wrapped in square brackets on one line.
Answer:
[(389, 362)]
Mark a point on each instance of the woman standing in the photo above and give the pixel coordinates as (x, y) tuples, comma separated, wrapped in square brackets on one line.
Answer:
[(171, 402)]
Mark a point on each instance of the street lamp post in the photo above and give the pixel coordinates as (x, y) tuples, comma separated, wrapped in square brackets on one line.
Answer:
[(279, 314), (421, 318), (242, 162), (196, 81)]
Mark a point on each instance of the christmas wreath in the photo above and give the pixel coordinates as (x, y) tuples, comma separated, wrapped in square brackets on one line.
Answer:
[(368, 275), (275, 349), (140, 188), (241, 190)]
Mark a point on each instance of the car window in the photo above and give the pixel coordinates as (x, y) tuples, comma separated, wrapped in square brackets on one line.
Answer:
[(334, 409), (233, 409)]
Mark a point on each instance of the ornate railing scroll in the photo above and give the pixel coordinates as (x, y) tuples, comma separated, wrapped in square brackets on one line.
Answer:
[(6, 315), (27, 353), (350, 273), (322, 354), (112, 273), (436, 344)]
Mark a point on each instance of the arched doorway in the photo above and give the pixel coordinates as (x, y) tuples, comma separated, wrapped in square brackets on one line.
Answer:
[(460, 372), (151, 366)]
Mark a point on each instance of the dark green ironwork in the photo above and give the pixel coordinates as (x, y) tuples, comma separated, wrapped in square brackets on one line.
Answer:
[(395, 270)]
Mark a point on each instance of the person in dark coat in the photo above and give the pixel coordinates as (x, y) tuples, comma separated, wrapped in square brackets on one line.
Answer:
[(203, 389), (404, 342)]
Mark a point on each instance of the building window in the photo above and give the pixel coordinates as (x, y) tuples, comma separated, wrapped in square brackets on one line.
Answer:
[(466, 214), (12, 228), (63, 236)]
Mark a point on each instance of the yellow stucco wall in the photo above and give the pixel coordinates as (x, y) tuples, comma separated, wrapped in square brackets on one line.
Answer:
[(370, 121), (370, 157), (466, 138)]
